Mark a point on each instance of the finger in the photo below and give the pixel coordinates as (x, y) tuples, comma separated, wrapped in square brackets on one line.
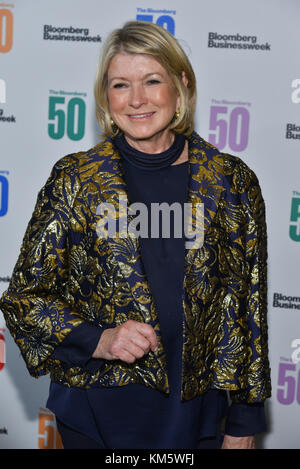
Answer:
[(125, 342), (131, 329), (141, 341), (134, 350), (147, 331), (126, 357)]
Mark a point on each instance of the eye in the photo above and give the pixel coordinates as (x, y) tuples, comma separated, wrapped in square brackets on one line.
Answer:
[(153, 81), (119, 85)]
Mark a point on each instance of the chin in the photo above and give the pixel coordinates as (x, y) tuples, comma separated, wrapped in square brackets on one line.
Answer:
[(144, 134)]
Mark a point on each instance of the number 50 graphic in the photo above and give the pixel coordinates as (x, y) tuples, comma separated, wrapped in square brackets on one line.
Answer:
[(288, 384), (70, 120), (48, 436), (4, 188), (165, 21), (232, 128), (6, 30), (295, 218)]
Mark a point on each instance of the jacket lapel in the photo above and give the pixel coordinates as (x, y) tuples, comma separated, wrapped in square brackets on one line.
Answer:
[(127, 253), (125, 248), (206, 173)]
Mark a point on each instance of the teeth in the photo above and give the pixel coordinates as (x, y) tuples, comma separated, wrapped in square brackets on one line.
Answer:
[(141, 115)]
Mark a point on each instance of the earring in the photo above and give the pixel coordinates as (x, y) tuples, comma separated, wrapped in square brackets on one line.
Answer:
[(114, 126), (177, 114)]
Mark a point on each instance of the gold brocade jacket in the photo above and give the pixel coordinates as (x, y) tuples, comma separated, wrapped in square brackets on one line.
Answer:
[(66, 275)]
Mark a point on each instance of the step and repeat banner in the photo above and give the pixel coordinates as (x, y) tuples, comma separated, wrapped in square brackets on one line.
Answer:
[(246, 59)]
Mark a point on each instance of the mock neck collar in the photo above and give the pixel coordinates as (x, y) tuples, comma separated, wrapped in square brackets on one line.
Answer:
[(148, 161)]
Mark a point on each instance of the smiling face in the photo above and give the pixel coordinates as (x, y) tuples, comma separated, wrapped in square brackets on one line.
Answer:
[(142, 100)]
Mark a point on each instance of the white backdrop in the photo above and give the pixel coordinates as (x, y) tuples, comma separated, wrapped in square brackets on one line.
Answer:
[(246, 58)]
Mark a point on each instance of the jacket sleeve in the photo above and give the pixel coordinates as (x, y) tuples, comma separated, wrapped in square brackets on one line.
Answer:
[(256, 331), (78, 347), (35, 312), (245, 419)]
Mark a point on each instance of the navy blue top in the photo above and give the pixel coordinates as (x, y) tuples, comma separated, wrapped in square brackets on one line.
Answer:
[(135, 416)]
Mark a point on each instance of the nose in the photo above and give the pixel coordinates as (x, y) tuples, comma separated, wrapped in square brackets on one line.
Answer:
[(137, 96)]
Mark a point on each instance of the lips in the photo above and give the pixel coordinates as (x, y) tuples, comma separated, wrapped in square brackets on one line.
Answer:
[(145, 115)]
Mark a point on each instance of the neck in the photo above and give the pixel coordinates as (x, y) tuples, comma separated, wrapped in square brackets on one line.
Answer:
[(156, 144)]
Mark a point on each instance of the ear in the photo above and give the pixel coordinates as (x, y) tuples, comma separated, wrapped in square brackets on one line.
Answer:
[(185, 84), (184, 79)]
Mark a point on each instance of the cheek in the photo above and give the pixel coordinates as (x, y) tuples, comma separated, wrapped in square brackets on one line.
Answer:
[(115, 102), (168, 99)]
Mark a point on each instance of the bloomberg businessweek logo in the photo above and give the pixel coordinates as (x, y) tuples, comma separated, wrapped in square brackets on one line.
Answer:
[(286, 301), (69, 34), (236, 41)]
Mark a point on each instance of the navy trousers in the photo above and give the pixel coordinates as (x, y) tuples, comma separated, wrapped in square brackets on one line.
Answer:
[(72, 439)]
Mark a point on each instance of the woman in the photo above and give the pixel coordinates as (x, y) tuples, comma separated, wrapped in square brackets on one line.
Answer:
[(142, 336)]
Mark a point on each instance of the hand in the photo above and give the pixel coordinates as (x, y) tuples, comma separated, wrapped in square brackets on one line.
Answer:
[(126, 342), (238, 442)]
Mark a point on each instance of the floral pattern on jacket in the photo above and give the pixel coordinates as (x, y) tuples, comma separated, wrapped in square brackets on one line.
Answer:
[(66, 275)]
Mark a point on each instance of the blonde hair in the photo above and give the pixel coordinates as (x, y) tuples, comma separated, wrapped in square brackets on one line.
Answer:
[(140, 37)]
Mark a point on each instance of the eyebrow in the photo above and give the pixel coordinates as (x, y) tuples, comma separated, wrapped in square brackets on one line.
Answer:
[(126, 79)]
